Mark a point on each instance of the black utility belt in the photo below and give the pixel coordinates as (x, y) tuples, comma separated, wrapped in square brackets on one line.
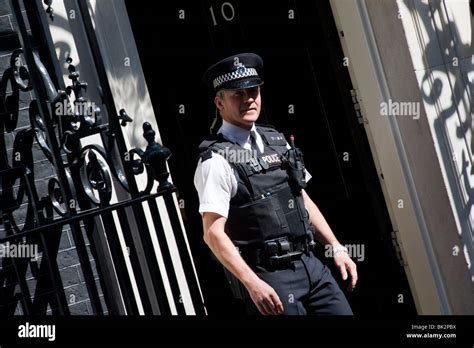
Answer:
[(276, 253)]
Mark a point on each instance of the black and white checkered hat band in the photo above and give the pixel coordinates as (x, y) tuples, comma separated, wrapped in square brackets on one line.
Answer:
[(234, 75)]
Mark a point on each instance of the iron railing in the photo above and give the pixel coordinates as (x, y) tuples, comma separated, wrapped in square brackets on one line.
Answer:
[(80, 194)]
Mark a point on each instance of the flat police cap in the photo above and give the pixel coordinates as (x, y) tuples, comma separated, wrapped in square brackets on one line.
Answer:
[(235, 72)]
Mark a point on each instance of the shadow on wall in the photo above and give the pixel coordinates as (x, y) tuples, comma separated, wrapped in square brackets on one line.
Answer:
[(123, 67), (453, 77)]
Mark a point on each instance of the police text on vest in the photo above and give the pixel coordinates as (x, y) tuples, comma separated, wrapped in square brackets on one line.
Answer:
[(275, 158), (37, 331)]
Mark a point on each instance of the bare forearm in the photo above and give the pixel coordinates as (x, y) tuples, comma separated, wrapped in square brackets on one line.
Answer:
[(324, 235), (323, 232), (228, 255)]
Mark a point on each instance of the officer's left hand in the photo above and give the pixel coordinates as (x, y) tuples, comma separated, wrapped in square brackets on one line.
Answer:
[(345, 264)]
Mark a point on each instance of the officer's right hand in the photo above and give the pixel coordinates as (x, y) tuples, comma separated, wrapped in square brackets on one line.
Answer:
[(265, 298)]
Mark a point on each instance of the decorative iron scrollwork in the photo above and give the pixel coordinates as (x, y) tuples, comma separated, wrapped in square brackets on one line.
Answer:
[(154, 158), (21, 160), (95, 174), (138, 167), (49, 10), (39, 129), (124, 117), (56, 197), (17, 78), (84, 113), (20, 71)]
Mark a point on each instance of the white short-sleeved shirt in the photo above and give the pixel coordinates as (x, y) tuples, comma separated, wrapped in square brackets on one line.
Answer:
[(215, 180)]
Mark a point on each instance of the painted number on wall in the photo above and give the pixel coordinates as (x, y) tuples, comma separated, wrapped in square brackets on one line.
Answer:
[(227, 12)]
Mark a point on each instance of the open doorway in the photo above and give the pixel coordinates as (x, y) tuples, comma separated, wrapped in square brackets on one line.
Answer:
[(307, 93)]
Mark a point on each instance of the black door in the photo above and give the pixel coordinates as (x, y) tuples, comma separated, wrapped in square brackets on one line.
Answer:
[(307, 92)]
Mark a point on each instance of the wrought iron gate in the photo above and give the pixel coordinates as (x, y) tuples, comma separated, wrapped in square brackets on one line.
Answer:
[(79, 197)]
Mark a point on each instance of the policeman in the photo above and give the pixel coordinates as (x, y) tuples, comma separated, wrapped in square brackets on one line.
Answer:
[(257, 218)]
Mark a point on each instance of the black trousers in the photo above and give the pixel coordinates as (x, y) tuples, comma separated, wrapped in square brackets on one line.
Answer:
[(306, 288)]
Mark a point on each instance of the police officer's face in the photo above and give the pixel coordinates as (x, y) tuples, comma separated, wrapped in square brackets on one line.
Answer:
[(240, 106)]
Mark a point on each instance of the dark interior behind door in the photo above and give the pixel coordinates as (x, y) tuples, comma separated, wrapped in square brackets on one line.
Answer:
[(307, 92)]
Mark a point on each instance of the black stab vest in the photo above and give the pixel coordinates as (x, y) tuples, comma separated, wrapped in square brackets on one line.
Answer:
[(264, 207)]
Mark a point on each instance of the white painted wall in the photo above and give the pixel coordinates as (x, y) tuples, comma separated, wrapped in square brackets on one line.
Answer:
[(407, 48), (358, 45), (439, 34)]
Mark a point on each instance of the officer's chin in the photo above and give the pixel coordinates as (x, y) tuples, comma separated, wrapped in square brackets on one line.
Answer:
[(249, 115)]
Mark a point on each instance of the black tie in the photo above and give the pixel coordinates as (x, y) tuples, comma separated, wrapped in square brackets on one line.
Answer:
[(253, 142)]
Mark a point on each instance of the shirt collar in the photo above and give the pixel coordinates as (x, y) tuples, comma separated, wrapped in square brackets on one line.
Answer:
[(235, 133)]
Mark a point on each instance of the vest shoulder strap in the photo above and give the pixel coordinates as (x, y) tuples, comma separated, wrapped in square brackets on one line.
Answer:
[(209, 141), (233, 154), (273, 138)]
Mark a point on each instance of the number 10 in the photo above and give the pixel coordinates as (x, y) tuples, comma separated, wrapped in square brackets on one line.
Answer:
[(223, 13)]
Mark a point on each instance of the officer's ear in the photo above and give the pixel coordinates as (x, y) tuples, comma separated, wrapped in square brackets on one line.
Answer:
[(218, 101)]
